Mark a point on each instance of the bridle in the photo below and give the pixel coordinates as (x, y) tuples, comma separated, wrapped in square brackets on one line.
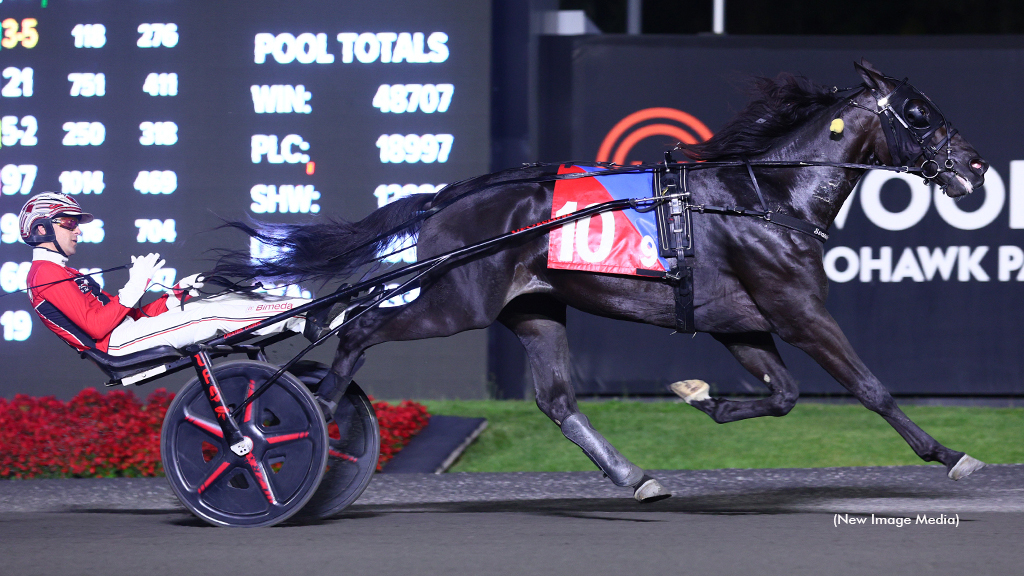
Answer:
[(910, 122)]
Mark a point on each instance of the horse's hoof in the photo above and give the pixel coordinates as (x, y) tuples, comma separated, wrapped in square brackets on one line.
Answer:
[(650, 490), (964, 467), (691, 390)]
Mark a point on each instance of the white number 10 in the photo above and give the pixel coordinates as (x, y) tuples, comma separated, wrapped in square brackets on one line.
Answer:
[(576, 236)]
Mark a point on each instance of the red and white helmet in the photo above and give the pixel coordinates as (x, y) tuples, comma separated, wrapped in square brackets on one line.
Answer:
[(41, 209)]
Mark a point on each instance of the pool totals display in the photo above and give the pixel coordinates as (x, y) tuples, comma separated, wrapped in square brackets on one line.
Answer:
[(160, 116)]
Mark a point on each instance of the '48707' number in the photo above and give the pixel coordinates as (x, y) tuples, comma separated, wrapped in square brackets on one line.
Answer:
[(400, 98)]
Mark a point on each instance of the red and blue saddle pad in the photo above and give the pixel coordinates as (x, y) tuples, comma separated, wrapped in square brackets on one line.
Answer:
[(618, 242)]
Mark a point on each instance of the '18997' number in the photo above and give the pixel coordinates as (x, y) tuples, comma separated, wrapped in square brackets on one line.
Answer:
[(412, 148)]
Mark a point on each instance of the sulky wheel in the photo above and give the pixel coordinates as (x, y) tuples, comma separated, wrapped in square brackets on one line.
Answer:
[(354, 447), (268, 485)]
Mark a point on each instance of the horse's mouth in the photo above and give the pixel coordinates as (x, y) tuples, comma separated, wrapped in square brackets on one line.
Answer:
[(965, 183), (955, 185)]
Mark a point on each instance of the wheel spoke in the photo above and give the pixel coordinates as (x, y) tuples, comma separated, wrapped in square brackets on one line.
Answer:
[(216, 474), (336, 454), (261, 478), (203, 424), (286, 437)]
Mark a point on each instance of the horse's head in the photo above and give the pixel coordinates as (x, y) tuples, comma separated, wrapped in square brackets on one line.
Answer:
[(917, 134)]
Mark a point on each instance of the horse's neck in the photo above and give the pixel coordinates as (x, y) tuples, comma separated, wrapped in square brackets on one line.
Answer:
[(817, 194)]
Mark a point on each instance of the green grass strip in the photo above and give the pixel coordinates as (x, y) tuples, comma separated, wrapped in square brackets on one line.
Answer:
[(669, 435)]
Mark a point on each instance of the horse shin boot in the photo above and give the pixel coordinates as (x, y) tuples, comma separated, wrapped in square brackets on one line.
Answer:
[(619, 470)]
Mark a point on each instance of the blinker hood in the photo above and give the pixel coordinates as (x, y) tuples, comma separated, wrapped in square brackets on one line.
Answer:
[(910, 122)]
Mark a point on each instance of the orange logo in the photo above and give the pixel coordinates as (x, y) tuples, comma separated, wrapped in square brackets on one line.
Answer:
[(646, 123)]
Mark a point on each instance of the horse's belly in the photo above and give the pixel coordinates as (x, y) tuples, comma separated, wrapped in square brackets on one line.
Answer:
[(730, 315), (722, 305)]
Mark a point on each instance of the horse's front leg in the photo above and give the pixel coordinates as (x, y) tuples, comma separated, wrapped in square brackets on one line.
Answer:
[(539, 322), (757, 353), (807, 325)]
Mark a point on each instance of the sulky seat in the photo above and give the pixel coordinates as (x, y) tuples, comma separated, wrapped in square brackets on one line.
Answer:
[(119, 367)]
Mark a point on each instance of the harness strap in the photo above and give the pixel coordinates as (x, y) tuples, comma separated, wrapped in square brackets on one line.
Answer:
[(753, 180), (685, 322), (783, 220), (683, 272)]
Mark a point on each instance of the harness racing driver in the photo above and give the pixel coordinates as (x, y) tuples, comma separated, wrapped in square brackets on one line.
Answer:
[(74, 306)]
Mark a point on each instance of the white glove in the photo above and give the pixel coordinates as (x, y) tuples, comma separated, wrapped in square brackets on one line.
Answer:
[(188, 285), (139, 275)]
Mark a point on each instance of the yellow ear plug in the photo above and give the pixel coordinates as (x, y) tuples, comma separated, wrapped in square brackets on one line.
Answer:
[(836, 127)]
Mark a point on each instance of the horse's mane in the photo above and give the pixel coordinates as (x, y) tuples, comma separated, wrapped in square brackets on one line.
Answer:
[(778, 105)]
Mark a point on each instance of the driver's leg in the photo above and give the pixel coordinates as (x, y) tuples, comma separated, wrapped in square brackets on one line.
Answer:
[(202, 320)]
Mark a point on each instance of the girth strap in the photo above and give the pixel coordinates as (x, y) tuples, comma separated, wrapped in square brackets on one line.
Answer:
[(676, 239)]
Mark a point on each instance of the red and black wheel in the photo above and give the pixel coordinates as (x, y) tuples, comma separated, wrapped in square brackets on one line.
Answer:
[(272, 482), (354, 447)]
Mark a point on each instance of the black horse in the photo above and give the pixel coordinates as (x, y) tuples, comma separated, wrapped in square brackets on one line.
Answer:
[(751, 278)]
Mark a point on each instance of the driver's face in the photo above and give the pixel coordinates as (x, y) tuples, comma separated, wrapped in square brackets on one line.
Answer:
[(67, 239)]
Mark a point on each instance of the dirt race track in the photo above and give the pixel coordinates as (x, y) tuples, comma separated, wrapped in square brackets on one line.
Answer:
[(794, 521)]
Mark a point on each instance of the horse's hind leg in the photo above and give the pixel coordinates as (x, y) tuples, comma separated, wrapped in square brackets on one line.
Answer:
[(539, 322), (757, 353)]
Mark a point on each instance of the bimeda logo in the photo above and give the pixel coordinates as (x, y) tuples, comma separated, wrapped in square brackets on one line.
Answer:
[(277, 307)]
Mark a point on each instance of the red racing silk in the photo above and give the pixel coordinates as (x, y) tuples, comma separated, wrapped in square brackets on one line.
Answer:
[(78, 310)]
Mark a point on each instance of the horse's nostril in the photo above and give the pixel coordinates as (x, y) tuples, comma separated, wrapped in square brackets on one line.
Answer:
[(979, 165)]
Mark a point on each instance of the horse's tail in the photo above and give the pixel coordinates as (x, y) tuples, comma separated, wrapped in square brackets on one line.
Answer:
[(324, 249)]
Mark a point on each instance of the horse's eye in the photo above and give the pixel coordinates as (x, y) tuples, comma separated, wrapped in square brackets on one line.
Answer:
[(917, 114)]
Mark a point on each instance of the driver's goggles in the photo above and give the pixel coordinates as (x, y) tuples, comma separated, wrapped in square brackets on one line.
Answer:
[(66, 222)]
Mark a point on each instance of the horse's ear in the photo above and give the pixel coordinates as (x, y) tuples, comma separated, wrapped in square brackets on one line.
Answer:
[(872, 77)]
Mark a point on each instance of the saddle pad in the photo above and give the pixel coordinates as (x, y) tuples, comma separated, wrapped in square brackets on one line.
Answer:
[(616, 242)]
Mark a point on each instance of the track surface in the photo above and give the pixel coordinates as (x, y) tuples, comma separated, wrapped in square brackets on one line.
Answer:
[(719, 522)]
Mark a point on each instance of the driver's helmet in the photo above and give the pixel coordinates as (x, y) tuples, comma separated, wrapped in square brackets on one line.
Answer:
[(40, 211)]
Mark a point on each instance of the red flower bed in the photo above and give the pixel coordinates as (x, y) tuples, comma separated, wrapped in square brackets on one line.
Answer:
[(91, 435), (105, 435), (397, 425)]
